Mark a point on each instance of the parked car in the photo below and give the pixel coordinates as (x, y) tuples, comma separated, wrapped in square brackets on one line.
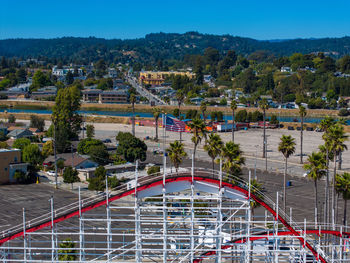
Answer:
[(51, 173), (106, 141)]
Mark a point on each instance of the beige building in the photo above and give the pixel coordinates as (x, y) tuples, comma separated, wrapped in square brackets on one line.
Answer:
[(106, 96), (158, 77), (9, 164)]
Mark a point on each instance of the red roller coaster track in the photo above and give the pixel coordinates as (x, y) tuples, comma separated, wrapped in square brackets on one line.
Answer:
[(159, 181)]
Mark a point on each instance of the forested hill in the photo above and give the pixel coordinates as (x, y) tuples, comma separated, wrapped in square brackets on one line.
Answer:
[(162, 46)]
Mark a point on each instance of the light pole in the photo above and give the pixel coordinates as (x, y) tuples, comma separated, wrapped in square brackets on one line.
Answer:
[(256, 155), (54, 150)]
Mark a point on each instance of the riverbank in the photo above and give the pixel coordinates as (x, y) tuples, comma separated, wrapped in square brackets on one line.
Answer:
[(47, 105)]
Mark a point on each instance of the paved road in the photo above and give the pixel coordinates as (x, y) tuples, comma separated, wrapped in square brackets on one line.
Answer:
[(144, 92)]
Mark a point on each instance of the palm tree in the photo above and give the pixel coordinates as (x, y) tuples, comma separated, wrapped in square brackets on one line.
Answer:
[(341, 121), (213, 147), (233, 108), (302, 114), (316, 168), (255, 189), (264, 106), (343, 186), (287, 148), (176, 154), (232, 158), (133, 100), (335, 137), (198, 129), (156, 114), (325, 124), (203, 108), (180, 96)]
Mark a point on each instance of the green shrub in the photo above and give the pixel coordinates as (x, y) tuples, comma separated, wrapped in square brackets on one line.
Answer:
[(153, 170)]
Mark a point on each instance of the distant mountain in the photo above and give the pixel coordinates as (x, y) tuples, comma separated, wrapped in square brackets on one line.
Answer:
[(162, 46)]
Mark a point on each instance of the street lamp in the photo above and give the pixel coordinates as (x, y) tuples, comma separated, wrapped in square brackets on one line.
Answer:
[(256, 155)]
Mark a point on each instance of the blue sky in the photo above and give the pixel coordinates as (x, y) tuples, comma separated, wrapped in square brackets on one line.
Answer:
[(260, 19)]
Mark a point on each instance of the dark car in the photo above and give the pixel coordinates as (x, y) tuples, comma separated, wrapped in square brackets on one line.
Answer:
[(106, 141)]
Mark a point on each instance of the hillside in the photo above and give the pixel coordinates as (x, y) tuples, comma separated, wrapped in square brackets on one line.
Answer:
[(162, 46)]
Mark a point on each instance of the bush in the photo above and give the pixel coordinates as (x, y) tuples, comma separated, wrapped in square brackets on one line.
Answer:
[(37, 122), (216, 116), (153, 170), (289, 98), (11, 118), (274, 120), (191, 114), (241, 116), (70, 176), (24, 178), (117, 159), (90, 131), (257, 116), (223, 102), (343, 112), (98, 183), (67, 251)]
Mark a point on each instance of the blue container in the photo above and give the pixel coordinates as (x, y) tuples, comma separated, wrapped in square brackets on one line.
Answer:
[(289, 183)]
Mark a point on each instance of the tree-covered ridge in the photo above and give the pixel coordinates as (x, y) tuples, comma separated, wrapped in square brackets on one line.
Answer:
[(162, 46)]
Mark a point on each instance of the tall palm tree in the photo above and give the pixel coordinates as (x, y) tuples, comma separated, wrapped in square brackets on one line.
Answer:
[(255, 189), (325, 124), (302, 114), (176, 154), (263, 105), (180, 97), (343, 187), (341, 121), (203, 109), (335, 137), (232, 158), (213, 147), (287, 148), (198, 129), (156, 114), (316, 168), (233, 108), (133, 100)]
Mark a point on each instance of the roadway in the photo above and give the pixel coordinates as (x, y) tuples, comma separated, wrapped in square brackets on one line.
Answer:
[(144, 92)]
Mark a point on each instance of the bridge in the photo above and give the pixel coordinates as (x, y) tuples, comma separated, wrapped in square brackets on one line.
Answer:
[(195, 215)]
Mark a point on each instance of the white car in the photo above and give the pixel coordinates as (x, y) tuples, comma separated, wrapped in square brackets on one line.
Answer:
[(51, 173)]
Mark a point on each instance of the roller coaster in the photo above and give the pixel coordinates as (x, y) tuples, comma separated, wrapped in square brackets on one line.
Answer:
[(194, 215)]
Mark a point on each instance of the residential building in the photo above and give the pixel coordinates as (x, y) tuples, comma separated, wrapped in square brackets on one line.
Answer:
[(112, 73), (61, 73), (158, 77), (286, 69), (106, 96), (10, 163), (75, 160), (91, 95), (20, 133), (44, 93), (88, 173), (17, 92), (113, 96)]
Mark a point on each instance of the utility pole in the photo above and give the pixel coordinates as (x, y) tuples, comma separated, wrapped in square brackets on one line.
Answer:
[(83, 126)]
